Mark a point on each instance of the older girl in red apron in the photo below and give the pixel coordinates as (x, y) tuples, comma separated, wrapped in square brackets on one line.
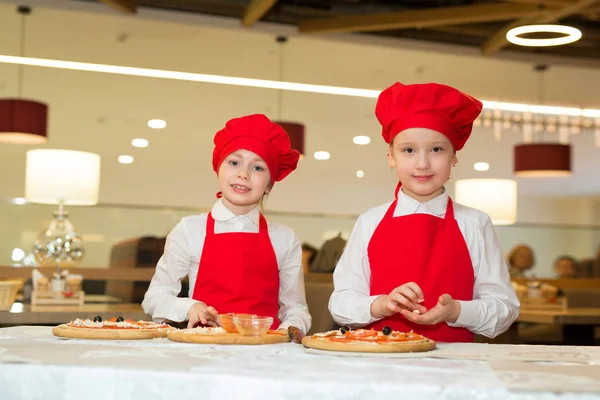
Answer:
[(424, 263)]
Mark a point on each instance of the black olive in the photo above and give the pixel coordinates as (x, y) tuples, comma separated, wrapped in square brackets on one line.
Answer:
[(97, 318), (387, 330), (120, 319), (345, 329)]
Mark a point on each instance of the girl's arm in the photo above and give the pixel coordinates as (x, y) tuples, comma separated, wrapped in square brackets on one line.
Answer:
[(494, 306), (293, 310), (161, 299)]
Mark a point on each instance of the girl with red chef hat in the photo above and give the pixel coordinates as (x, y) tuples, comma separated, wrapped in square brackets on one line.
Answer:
[(235, 260), (423, 262)]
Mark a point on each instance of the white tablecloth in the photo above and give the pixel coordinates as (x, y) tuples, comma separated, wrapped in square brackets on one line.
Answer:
[(36, 365)]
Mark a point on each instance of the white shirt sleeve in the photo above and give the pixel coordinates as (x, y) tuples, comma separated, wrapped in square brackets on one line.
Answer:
[(350, 303), (494, 306), (161, 301), (293, 310)]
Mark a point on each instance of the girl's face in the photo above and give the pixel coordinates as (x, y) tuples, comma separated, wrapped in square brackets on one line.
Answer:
[(243, 179), (422, 159)]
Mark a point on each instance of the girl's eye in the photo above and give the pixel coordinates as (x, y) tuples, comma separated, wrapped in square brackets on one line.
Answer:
[(259, 168), (408, 150), (437, 149), (234, 163)]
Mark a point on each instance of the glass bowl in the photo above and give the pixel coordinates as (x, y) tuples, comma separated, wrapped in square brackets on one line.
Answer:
[(226, 321), (252, 325)]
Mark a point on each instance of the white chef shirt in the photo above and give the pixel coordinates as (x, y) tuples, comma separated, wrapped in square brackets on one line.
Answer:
[(494, 306), (182, 254)]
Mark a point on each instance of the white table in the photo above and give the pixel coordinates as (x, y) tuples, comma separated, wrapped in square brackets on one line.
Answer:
[(36, 365)]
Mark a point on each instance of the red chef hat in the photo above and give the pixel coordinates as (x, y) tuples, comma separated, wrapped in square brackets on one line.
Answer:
[(256, 133), (438, 107)]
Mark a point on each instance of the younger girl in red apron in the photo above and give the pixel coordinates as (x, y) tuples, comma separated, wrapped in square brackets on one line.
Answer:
[(235, 260), (423, 262)]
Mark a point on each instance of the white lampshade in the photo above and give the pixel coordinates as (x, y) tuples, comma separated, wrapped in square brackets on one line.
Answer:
[(495, 197), (66, 175)]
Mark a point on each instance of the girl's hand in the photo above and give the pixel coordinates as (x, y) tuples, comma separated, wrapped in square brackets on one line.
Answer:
[(203, 314), (404, 298), (447, 309)]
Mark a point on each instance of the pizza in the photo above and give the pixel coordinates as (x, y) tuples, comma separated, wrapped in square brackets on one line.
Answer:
[(112, 329), (218, 335), (369, 341)]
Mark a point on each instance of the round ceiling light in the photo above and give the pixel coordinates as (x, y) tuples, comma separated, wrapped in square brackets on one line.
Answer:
[(322, 155), (361, 140), (569, 35), (139, 142), (157, 124), (125, 159), (481, 166)]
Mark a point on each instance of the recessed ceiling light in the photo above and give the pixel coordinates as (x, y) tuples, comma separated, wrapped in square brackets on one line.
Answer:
[(360, 173), (361, 140), (19, 201), (139, 142), (481, 166), (125, 159), (17, 254), (157, 124), (322, 155)]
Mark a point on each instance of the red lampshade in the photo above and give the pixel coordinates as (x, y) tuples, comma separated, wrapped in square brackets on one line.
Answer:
[(537, 160), (23, 121), (296, 133)]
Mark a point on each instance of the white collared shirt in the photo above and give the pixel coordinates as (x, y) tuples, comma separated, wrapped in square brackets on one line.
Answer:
[(494, 306), (182, 257)]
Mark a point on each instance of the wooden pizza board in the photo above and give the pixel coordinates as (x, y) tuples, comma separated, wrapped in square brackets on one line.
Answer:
[(396, 347), (227, 338), (108, 334)]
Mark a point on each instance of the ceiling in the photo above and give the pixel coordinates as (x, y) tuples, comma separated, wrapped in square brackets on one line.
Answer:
[(102, 113), (481, 24)]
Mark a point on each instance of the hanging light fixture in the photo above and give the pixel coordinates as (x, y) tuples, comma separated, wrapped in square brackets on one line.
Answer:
[(563, 34), (495, 197), (23, 121), (569, 35), (542, 159), (294, 130), (296, 133)]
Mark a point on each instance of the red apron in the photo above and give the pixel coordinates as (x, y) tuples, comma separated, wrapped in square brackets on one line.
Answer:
[(429, 251), (238, 272)]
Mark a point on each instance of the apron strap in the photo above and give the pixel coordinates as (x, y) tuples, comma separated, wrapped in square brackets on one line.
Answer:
[(449, 210), (262, 225), (210, 225), (390, 211)]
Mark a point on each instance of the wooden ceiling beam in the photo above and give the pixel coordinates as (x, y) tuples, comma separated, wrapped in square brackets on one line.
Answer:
[(498, 41), (256, 10), (592, 13), (555, 3), (418, 19), (124, 6), (461, 30)]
